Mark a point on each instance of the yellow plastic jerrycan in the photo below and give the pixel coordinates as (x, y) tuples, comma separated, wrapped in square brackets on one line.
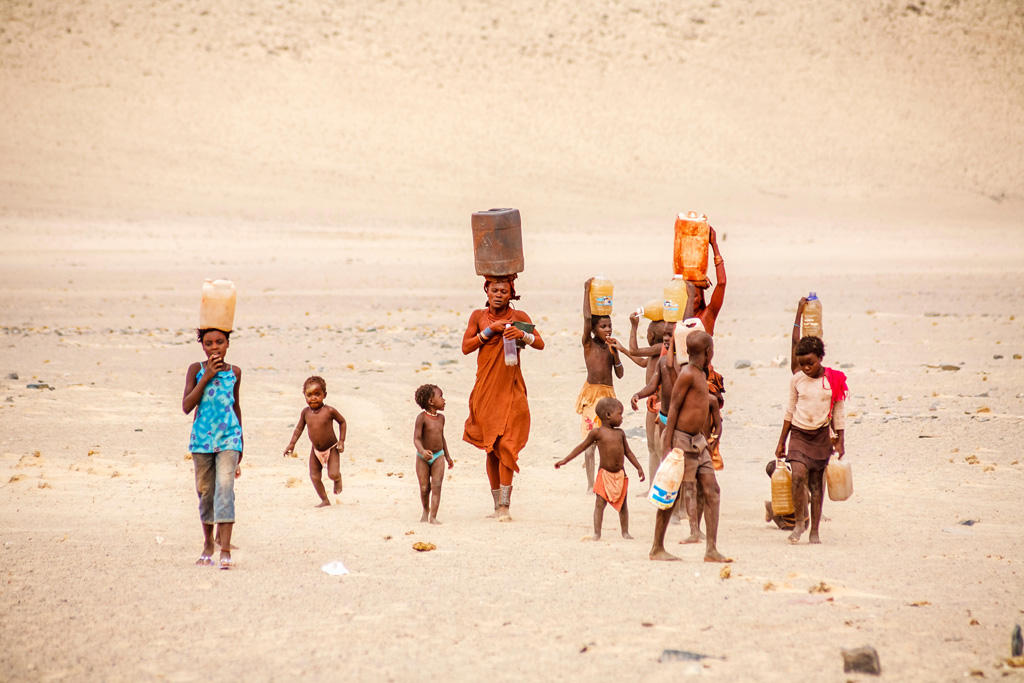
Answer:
[(652, 310), (782, 489), (601, 290), (839, 475), (810, 322), (217, 309), (675, 299)]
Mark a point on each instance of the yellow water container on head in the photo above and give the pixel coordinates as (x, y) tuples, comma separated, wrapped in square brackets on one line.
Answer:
[(652, 310), (217, 309), (601, 290), (810, 322), (782, 489), (690, 256), (839, 475), (675, 299)]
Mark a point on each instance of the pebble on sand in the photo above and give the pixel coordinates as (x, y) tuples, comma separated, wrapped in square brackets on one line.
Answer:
[(742, 363), (863, 660)]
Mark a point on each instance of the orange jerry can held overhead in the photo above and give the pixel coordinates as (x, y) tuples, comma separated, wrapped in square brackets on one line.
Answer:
[(690, 257), (498, 242)]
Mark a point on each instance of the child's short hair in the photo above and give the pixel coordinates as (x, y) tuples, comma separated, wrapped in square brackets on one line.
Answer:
[(424, 394), (605, 406), (596, 319), (808, 345), (655, 331), (201, 332), (315, 379)]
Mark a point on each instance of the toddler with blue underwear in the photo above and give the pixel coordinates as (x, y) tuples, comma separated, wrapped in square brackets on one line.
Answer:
[(428, 437)]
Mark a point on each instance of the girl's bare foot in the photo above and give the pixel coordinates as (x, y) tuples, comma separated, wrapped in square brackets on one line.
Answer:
[(625, 535), (597, 537), (433, 520), (814, 539), (694, 537), (424, 516), (715, 556), (767, 511), (798, 531), (337, 487), (324, 503), (663, 556)]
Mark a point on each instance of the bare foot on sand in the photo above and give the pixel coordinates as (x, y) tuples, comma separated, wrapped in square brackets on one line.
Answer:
[(625, 535), (798, 531), (337, 487), (814, 539), (324, 504), (424, 516), (596, 537), (767, 511), (503, 515), (694, 537), (663, 556), (433, 520), (715, 556)]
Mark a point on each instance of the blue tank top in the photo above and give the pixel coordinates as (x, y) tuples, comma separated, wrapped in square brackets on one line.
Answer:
[(216, 427)]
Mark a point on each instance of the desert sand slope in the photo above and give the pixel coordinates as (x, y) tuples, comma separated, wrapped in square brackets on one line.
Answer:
[(326, 158)]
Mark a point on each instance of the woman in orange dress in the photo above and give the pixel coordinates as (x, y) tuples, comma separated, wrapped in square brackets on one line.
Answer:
[(499, 415)]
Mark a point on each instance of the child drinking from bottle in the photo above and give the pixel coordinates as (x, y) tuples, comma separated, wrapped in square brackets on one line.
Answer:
[(211, 390)]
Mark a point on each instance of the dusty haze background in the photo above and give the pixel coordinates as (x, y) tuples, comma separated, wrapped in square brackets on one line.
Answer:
[(327, 156)]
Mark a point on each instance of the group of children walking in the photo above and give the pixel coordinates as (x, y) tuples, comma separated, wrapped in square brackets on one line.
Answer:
[(684, 405)]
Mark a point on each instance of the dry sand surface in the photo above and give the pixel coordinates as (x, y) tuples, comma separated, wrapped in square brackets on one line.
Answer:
[(326, 158)]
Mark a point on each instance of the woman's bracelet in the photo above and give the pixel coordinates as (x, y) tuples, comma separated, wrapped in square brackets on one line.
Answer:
[(528, 338), (487, 333), (719, 260)]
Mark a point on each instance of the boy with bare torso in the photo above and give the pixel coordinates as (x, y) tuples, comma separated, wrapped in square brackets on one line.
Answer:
[(688, 410), (647, 358), (601, 355), (327, 448), (611, 482)]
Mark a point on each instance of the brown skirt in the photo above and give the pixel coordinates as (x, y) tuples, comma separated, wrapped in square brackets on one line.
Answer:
[(812, 449)]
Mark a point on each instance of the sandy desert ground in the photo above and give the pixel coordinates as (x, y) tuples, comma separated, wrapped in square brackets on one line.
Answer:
[(326, 157)]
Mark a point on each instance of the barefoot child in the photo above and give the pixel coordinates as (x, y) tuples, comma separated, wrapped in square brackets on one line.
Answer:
[(816, 406), (211, 390), (601, 355), (428, 437), (326, 447), (612, 482), (687, 413)]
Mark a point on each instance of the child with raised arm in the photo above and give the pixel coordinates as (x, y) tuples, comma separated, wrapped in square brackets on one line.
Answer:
[(816, 407), (428, 438), (211, 390), (326, 447), (612, 482), (601, 355), (687, 414)]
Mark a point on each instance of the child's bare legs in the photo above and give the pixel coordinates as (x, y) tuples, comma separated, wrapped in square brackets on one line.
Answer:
[(712, 500), (693, 498), (423, 474), (661, 520), (224, 533), (206, 558), (817, 486), (624, 519), (799, 500), (653, 446), (599, 506), (436, 477), (316, 471), (334, 469)]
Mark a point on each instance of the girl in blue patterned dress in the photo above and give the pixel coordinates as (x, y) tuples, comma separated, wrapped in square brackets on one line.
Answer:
[(211, 389)]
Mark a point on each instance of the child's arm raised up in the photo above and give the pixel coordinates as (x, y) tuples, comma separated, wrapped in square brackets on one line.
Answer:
[(796, 333), (632, 458), (718, 295), (587, 443), (342, 429), (633, 352), (588, 325), (297, 433)]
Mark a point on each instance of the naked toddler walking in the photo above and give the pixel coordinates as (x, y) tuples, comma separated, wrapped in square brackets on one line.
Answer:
[(326, 447), (428, 437)]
